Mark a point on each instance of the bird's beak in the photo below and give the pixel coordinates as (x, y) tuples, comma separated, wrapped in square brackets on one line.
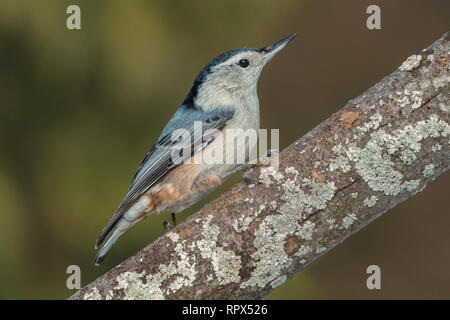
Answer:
[(272, 50)]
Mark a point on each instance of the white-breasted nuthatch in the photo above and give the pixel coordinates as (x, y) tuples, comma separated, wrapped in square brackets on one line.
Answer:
[(223, 96)]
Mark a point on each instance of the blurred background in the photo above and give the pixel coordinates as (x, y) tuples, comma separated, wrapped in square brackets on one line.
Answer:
[(80, 109)]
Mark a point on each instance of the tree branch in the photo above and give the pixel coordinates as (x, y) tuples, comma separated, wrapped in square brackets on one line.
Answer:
[(380, 149)]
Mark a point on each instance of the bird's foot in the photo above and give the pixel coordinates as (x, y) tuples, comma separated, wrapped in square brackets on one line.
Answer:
[(249, 180), (247, 168), (246, 175), (243, 168), (265, 161), (168, 226)]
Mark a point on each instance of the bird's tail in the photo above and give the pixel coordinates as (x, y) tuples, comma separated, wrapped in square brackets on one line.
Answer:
[(111, 237)]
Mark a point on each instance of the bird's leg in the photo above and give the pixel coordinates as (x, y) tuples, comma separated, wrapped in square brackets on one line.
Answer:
[(169, 226)]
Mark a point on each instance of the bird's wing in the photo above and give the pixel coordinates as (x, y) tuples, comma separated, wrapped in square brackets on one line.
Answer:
[(158, 162)]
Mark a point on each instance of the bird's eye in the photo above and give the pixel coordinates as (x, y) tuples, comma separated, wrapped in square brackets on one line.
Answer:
[(243, 63)]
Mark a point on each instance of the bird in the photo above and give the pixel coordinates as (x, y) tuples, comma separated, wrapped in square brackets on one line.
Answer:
[(222, 97)]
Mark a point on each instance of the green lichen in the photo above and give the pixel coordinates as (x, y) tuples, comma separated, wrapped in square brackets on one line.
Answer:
[(304, 250), (278, 281), (226, 264), (436, 147), (183, 273), (373, 123), (340, 162), (441, 82), (411, 63), (412, 98), (444, 108), (374, 163), (134, 287), (348, 221), (297, 201), (428, 171), (306, 230), (93, 294), (370, 202), (331, 223)]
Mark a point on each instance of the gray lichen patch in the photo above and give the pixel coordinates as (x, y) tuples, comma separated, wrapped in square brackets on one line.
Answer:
[(412, 185), (370, 202), (428, 171), (226, 264), (93, 294), (134, 287), (374, 162), (266, 175), (320, 250), (444, 107), (331, 223), (242, 223), (412, 98), (340, 162), (306, 230), (278, 281), (291, 170), (425, 84), (318, 194), (303, 251), (173, 236), (441, 82), (348, 221), (436, 147), (373, 123), (181, 273), (272, 233), (185, 269), (411, 63)]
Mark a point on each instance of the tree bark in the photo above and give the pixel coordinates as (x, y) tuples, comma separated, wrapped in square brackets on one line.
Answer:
[(377, 151)]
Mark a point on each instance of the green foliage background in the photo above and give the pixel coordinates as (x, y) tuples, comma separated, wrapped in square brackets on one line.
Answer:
[(79, 110)]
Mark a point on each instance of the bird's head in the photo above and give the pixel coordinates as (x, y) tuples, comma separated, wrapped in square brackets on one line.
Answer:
[(232, 76)]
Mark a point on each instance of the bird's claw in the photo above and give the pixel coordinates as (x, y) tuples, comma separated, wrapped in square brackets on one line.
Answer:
[(169, 226), (246, 175), (248, 180), (261, 162)]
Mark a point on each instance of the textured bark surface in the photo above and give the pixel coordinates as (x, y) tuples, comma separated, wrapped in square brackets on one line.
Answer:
[(378, 150)]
